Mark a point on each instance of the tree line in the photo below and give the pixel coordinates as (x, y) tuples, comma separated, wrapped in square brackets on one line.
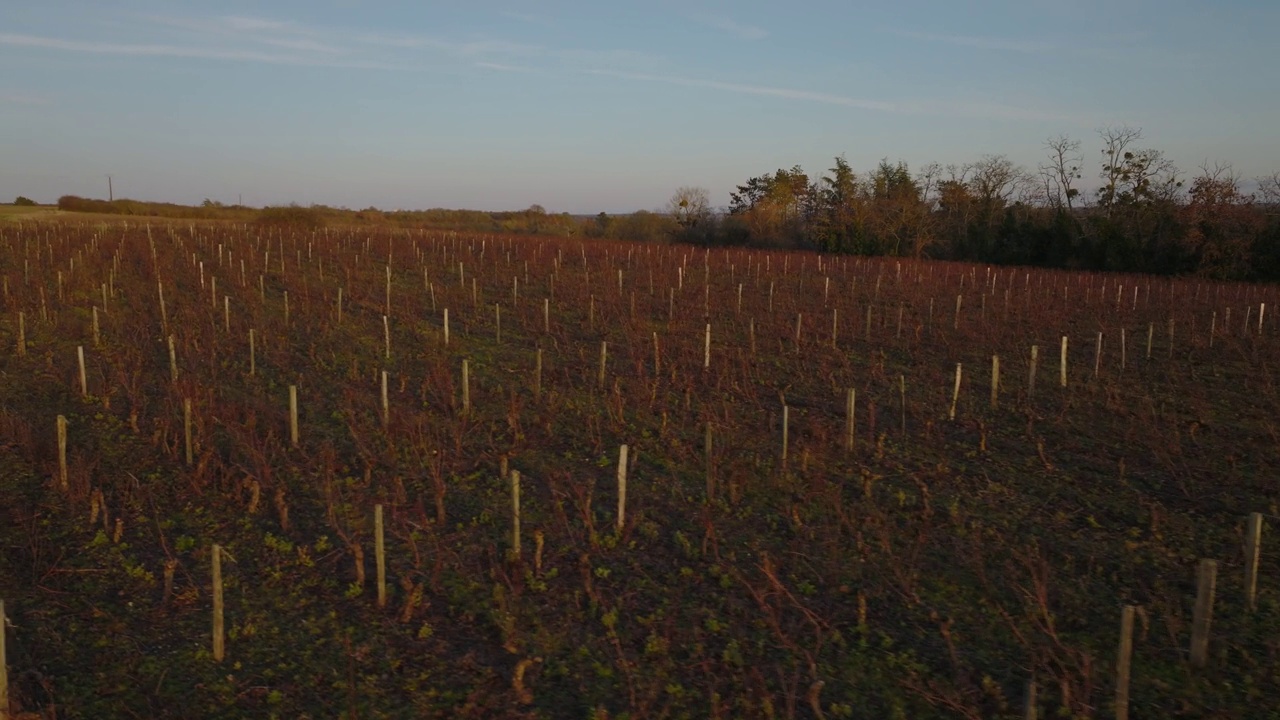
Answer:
[(1143, 215)]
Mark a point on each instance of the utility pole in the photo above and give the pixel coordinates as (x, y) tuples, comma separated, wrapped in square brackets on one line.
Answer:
[(111, 196)]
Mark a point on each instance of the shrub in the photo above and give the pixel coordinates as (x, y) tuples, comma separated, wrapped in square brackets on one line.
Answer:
[(24, 201)]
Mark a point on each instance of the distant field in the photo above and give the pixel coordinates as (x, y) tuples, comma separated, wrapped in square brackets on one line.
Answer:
[(27, 212)]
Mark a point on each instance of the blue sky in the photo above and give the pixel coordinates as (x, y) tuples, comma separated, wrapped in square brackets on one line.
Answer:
[(587, 106)]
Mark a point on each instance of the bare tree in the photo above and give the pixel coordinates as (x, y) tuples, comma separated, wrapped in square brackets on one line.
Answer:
[(1269, 190), (1115, 144), (689, 205), (994, 180), (1062, 170)]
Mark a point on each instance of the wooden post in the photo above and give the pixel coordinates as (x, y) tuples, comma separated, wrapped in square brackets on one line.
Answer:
[(1151, 333), (604, 357), (850, 418), (386, 337), (219, 642), (1252, 549), (446, 327), (62, 451), (1031, 374), (386, 402), (622, 487), (1097, 356), (1123, 658), (173, 361), (1206, 581), (97, 336), (786, 421), (546, 316), (955, 394), (466, 387), (657, 357), (226, 313), (186, 428), (1124, 351), (497, 319), (293, 415), (84, 380), (751, 333), (380, 554), (1063, 362), (339, 306), (252, 354), (22, 335), (515, 513), (706, 349), (995, 381)]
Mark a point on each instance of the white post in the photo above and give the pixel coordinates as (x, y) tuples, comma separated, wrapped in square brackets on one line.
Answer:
[(622, 487), (955, 394)]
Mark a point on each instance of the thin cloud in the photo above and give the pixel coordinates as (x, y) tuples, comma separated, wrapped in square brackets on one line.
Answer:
[(980, 42), (733, 27), (503, 67), (965, 108), (181, 51), (261, 31), (526, 18), (764, 90)]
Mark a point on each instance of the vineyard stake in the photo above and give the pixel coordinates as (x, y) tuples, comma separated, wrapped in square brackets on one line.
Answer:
[(446, 327), (466, 388), (386, 403), (850, 418), (786, 421), (22, 335), (252, 354), (622, 487), (995, 382), (380, 554), (955, 394), (173, 361), (61, 426), (604, 358), (1123, 659), (97, 339), (84, 381), (1252, 549), (293, 415), (1062, 363), (186, 428), (1206, 580), (515, 513), (219, 641)]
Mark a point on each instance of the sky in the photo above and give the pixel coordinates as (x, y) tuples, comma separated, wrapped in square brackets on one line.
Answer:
[(584, 106)]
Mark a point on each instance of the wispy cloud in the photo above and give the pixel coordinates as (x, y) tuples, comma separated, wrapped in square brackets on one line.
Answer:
[(1102, 48), (966, 108), (504, 67), (731, 26), (981, 42), (525, 17), (185, 51)]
